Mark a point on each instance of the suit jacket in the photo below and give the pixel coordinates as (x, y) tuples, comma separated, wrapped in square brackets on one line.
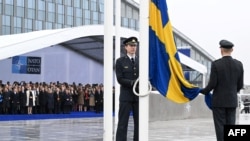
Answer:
[(98, 97), (226, 80), (126, 74), (15, 98)]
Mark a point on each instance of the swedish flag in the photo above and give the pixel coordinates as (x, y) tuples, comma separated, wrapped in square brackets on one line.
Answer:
[(165, 71)]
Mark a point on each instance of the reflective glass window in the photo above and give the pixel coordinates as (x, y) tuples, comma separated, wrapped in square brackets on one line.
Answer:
[(28, 25), (128, 12), (69, 20), (17, 30), (95, 17), (49, 25), (86, 17), (135, 14), (31, 4), (69, 11), (51, 17), (57, 26), (67, 2), (59, 1), (6, 24), (78, 21), (41, 15), (31, 13), (125, 22), (60, 18), (38, 25), (85, 4), (132, 23), (60, 9), (51, 12), (9, 2), (20, 3), (86, 21), (123, 10), (5, 30), (20, 11), (77, 3), (93, 5), (87, 14), (17, 22), (78, 12), (9, 9), (41, 5), (51, 7), (6, 20)]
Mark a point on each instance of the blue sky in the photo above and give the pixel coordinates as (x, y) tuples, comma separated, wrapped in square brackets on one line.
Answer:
[(206, 22)]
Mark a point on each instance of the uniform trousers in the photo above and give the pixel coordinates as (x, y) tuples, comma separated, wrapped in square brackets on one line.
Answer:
[(124, 112), (221, 117)]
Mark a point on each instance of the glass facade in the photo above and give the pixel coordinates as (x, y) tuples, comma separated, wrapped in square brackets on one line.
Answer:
[(19, 16), (36, 15)]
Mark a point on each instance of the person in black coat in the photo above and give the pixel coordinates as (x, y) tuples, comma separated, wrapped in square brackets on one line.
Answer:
[(15, 100), (6, 100), (43, 100), (23, 99), (67, 98), (58, 100), (226, 80), (1, 99), (127, 71), (50, 101), (98, 99)]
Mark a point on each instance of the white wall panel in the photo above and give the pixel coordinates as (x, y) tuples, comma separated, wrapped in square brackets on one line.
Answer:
[(58, 64)]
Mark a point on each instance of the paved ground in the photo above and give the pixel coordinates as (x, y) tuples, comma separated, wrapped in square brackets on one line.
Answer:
[(91, 129)]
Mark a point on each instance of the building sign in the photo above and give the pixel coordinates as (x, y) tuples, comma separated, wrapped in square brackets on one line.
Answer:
[(26, 65), (185, 51)]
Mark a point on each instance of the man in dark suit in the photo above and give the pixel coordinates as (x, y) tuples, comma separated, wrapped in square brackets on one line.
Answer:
[(14, 100), (127, 71), (98, 99), (226, 80)]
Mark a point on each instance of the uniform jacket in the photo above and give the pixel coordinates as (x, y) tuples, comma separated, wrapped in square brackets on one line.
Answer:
[(126, 74), (226, 80)]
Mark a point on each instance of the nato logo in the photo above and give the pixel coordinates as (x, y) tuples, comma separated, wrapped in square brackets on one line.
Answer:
[(19, 64), (26, 65)]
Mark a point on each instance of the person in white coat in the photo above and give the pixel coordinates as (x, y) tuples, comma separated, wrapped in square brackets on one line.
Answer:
[(30, 99)]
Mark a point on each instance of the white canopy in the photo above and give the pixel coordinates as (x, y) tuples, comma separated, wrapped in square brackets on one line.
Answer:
[(17, 44)]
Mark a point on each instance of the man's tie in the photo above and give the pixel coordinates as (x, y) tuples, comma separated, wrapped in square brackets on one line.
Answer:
[(132, 60)]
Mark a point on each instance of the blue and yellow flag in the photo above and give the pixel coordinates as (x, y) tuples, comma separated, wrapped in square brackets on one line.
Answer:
[(165, 70)]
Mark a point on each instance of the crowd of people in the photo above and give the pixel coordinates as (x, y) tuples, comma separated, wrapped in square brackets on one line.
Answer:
[(50, 98)]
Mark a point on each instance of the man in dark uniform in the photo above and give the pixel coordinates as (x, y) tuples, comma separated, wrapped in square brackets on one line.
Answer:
[(127, 71), (226, 80)]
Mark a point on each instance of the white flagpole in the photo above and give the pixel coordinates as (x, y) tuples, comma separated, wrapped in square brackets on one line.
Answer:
[(117, 55), (143, 74), (108, 70)]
